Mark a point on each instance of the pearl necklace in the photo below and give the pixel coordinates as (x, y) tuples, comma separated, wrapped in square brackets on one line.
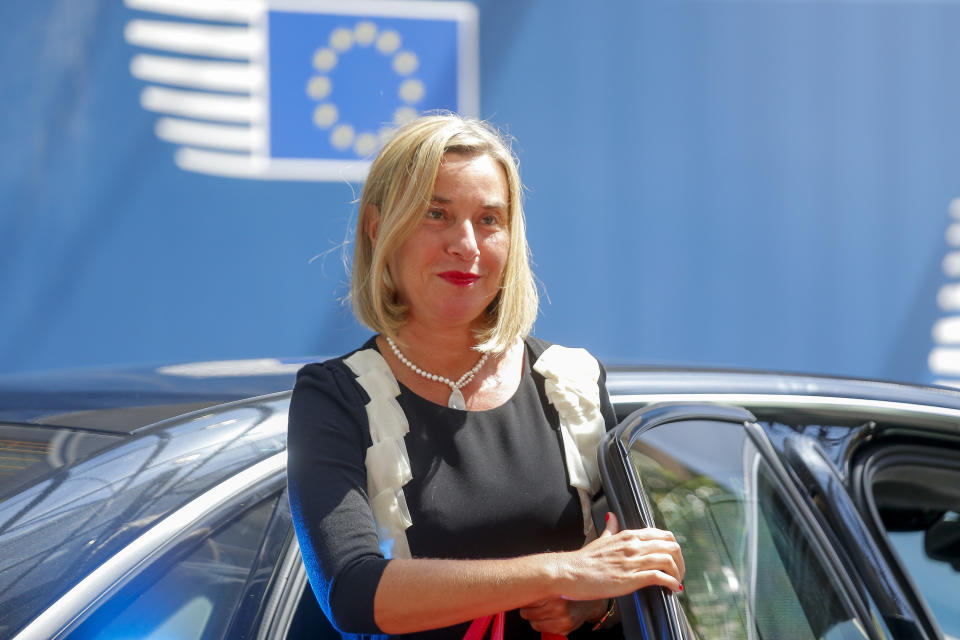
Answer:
[(456, 400)]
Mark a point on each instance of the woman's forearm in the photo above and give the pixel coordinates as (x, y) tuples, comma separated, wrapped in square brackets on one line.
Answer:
[(414, 595)]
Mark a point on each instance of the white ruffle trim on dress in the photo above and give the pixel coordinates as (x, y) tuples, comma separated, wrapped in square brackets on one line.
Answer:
[(571, 387), (387, 461)]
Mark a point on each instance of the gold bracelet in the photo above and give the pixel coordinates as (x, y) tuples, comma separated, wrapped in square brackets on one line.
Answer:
[(612, 609)]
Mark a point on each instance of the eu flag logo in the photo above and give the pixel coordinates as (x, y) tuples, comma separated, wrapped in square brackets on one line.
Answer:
[(339, 84), (301, 89)]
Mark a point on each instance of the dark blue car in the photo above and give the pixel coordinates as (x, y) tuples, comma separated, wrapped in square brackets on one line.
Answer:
[(150, 504)]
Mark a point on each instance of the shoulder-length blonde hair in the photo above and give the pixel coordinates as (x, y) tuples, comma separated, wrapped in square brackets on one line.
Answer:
[(395, 198)]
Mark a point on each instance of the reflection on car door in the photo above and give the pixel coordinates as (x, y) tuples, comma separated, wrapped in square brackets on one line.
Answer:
[(756, 566)]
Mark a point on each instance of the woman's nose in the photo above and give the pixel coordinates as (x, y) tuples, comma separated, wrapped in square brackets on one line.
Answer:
[(463, 241)]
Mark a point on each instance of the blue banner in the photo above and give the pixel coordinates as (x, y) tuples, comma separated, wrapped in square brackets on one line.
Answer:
[(762, 184)]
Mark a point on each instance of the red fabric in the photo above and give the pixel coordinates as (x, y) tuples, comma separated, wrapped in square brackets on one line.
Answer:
[(478, 629)]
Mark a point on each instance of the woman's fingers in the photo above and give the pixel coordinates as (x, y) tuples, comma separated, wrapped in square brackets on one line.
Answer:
[(613, 525), (541, 610), (652, 542), (657, 548), (650, 534), (659, 578), (618, 563), (559, 616), (550, 616)]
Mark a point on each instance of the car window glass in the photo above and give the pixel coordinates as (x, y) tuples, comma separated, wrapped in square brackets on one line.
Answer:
[(193, 598), (919, 507), (752, 571)]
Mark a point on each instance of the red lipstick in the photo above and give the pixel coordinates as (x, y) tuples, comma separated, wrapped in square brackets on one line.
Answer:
[(459, 278)]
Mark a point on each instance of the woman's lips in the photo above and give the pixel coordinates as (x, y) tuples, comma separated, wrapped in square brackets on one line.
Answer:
[(459, 278)]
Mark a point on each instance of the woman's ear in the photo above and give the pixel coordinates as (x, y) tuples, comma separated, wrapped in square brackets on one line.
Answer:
[(371, 222)]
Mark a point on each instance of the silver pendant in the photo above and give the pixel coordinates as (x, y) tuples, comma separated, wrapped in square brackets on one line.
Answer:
[(456, 400)]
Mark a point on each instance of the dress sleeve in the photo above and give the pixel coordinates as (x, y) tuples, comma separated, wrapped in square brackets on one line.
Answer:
[(326, 478)]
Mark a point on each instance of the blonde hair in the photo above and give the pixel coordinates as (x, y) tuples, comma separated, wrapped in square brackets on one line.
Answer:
[(395, 197)]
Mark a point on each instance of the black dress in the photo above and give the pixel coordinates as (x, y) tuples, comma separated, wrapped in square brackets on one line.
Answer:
[(486, 484)]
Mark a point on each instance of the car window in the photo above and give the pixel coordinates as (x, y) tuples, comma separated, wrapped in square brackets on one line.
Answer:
[(752, 569), (916, 493), (191, 598)]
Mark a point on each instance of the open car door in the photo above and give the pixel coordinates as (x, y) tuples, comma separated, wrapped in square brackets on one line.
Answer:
[(757, 565)]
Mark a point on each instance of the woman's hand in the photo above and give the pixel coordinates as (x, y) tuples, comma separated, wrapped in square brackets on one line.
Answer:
[(619, 563), (559, 616)]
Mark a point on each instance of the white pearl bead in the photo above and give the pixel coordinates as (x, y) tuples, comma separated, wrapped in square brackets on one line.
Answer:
[(462, 381)]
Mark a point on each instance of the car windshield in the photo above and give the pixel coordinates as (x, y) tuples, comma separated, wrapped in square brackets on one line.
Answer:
[(28, 453), (752, 570)]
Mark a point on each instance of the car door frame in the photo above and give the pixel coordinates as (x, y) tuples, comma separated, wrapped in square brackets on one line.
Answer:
[(653, 610)]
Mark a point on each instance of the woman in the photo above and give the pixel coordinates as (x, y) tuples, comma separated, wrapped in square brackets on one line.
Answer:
[(441, 473)]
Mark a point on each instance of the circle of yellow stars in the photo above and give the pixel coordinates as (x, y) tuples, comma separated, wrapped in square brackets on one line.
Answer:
[(327, 117)]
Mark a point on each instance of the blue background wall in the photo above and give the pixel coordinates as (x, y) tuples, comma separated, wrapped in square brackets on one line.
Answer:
[(759, 184)]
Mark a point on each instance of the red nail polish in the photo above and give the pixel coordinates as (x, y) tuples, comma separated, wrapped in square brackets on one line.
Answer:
[(681, 587), (608, 516)]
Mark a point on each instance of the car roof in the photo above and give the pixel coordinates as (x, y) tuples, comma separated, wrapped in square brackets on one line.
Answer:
[(122, 400), (644, 379)]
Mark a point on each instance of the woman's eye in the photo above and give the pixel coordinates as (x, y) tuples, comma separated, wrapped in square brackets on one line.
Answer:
[(490, 220), (434, 214)]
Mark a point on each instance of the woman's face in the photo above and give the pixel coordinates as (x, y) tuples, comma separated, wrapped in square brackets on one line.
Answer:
[(450, 268)]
